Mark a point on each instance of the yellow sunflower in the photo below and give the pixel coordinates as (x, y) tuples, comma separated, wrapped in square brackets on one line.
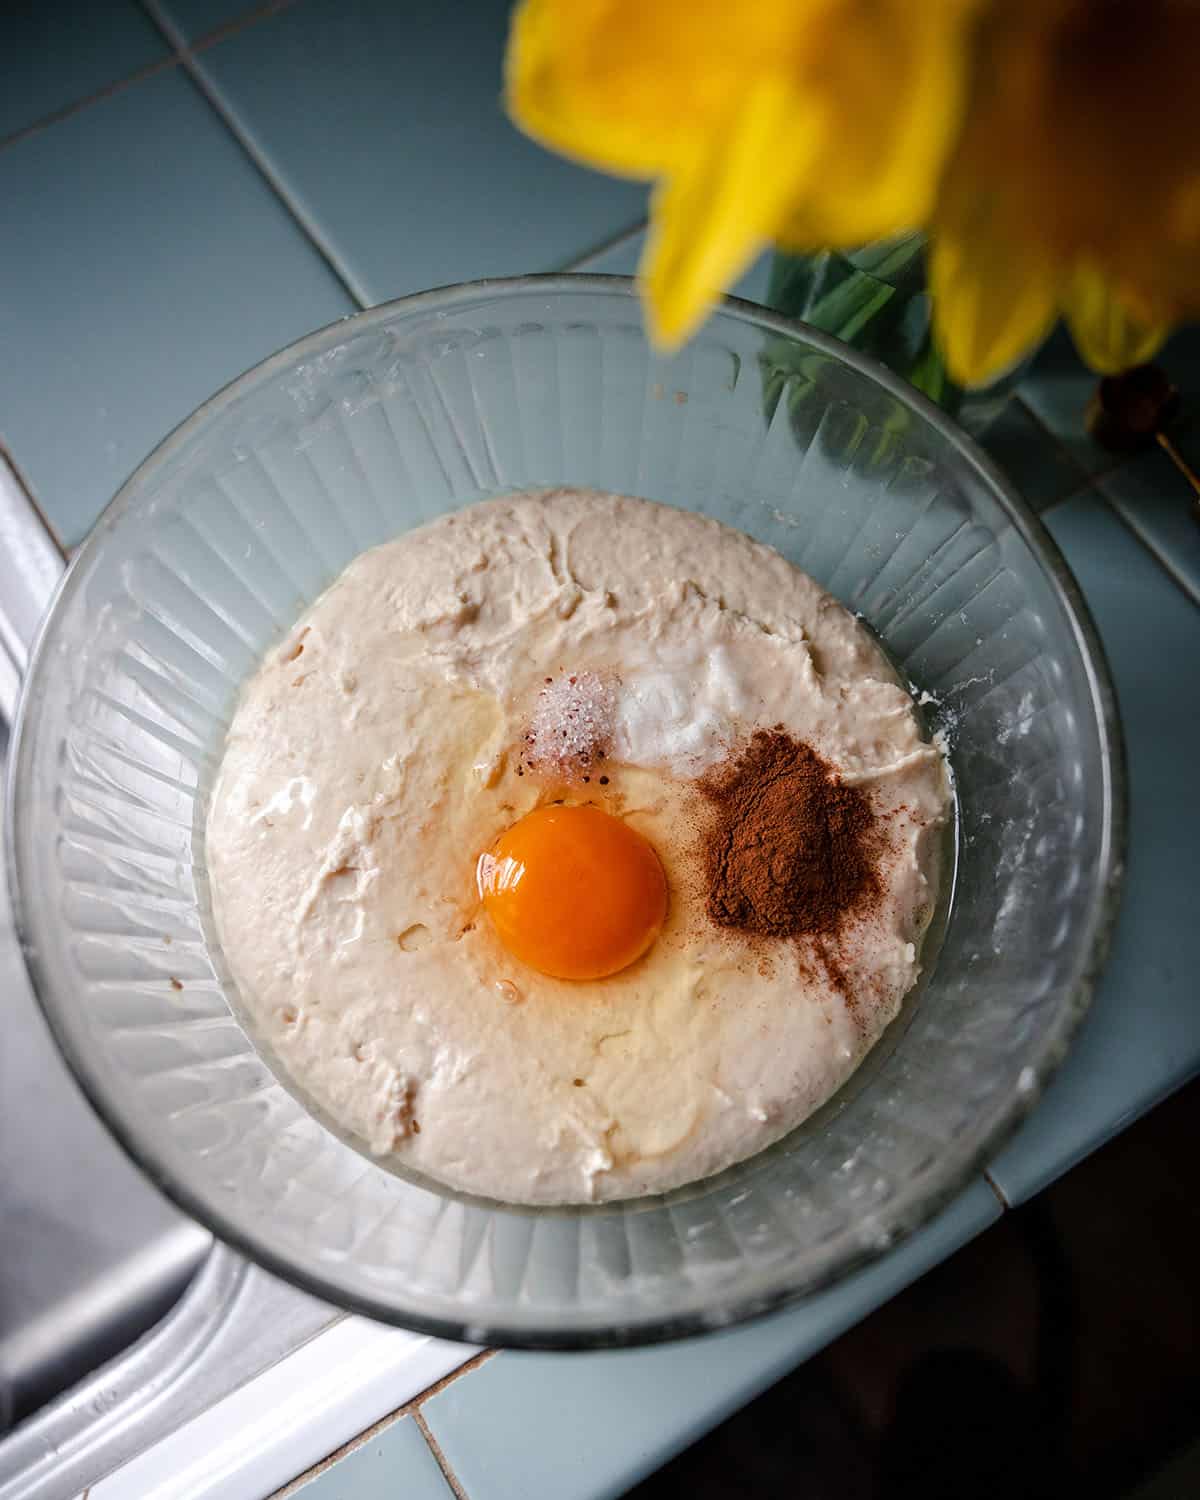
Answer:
[(804, 122), (1050, 147), (1075, 185)]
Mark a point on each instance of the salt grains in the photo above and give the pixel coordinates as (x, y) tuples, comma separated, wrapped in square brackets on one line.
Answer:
[(572, 724)]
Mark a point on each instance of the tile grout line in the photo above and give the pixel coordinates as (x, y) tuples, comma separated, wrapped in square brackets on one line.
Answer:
[(1164, 560), (172, 60), (9, 463), (442, 1461), (350, 1446), (118, 86), (240, 22), (1061, 447), (613, 242), (439, 1386), (1085, 484), (1005, 1205), (1117, 509), (376, 1429), (1094, 486), (300, 216)]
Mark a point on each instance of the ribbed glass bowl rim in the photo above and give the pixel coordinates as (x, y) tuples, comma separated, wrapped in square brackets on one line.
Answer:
[(956, 1169)]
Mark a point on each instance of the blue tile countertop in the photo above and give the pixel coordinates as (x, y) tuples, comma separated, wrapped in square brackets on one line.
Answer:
[(191, 184)]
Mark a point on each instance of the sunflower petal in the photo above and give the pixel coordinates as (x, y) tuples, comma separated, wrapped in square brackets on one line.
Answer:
[(880, 168), (640, 86), (710, 219), (1108, 333), (553, 92), (993, 297)]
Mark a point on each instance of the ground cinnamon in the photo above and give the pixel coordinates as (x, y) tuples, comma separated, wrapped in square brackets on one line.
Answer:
[(790, 852)]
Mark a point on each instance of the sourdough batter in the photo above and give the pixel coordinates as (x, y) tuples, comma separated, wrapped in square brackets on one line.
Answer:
[(375, 754)]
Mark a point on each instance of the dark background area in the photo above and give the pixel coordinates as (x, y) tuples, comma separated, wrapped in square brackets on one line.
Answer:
[(1055, 1355)]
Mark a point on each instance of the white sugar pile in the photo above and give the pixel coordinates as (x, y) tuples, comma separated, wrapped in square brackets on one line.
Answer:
[(572, 724)]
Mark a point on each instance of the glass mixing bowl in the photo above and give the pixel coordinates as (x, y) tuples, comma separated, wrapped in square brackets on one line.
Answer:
[(381, 422)]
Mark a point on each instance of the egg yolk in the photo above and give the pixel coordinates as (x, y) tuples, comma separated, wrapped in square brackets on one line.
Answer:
[(573, 892)]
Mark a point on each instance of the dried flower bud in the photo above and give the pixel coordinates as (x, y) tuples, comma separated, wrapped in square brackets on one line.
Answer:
[(1127, 410)]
